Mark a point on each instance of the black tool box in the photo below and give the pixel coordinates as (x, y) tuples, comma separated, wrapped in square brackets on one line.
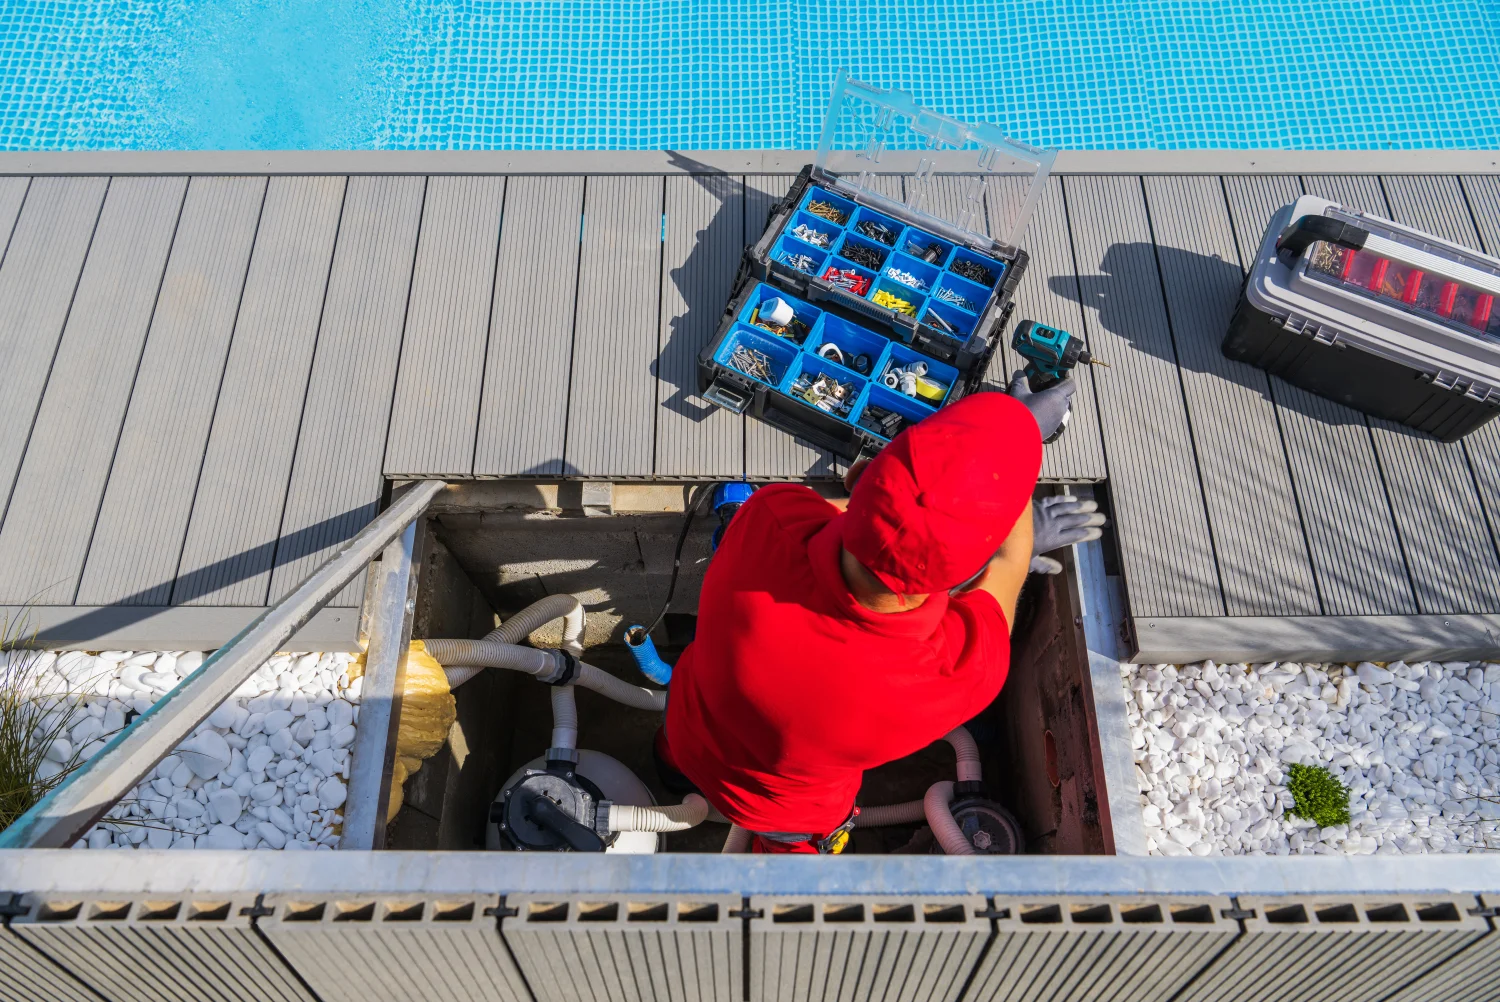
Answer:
[(897, 310), (1400, 324)]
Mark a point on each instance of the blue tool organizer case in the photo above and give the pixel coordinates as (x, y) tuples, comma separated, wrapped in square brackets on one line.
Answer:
[(930, 291), (887, 284), (770, 391)]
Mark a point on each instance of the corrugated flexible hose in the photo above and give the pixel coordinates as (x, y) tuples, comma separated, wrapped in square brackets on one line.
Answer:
[(628, 818)]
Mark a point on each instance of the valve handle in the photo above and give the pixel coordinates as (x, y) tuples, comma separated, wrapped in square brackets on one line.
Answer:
[(547, 815)]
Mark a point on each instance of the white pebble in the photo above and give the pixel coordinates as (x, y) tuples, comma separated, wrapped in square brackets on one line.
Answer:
[(206, 755), (271, 834), (331, 793)]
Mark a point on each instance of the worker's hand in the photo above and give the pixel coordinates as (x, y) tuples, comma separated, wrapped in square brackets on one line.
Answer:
[(1058, 521), (1048, 407)]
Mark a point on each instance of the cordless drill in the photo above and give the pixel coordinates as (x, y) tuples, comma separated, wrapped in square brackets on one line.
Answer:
[(1050, 355)]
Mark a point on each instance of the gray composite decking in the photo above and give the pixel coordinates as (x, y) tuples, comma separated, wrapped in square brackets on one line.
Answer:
[(212, 378)]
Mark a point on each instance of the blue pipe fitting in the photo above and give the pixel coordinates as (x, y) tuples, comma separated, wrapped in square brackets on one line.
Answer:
[(643, 649), (727, 500)]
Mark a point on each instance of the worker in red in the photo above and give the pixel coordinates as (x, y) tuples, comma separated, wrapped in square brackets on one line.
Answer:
[(831, 641)]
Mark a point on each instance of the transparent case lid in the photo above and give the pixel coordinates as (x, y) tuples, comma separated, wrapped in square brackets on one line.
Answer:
[(1006, 172)]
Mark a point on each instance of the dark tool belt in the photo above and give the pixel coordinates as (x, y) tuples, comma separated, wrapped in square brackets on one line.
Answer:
[(829, 845)]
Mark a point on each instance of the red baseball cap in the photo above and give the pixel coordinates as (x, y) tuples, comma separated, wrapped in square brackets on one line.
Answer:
[(936, 504)]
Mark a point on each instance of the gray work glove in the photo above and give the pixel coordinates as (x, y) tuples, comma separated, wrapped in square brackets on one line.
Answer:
[(1049, 407), (1058, 521)]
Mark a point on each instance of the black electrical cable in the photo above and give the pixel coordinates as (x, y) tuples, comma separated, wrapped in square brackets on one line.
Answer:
[(694, 503)]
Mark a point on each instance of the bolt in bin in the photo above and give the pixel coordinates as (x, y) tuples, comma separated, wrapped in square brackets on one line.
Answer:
[(1394, 322)]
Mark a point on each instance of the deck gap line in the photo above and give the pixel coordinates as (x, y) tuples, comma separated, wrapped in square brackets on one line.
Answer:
[(489, 325), (1187, 411), (1286, 453), (161, 280), (57, 347), (15, 223), (213, 415), (312, 363), (416, 251), (1083, 315), (583, 204), (661, 277)]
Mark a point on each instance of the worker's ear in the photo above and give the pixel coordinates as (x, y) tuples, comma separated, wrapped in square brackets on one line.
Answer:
[(853, 474)]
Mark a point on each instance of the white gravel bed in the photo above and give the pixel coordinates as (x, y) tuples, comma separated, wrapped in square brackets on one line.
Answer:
[(265, 771), (1415, 745)]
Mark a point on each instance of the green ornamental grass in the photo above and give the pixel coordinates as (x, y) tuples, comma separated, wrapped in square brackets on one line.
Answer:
[(1317, 795)]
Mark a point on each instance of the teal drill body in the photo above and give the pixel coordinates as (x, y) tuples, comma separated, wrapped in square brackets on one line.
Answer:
[(1050, 353)]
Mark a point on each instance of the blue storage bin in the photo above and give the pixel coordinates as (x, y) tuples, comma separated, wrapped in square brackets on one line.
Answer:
[(851, 341), (899, 355), (911, 296), (780, 354), (875, 226), (818, 194), (795, 254), (801, 312), (821, 233), (995, 268), (860, 244), (812, 366), (960, 294), (925, 275), (956, 318), (879, 397), (915, 243)]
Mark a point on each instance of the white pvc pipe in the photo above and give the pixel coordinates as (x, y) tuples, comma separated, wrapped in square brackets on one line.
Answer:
[(538, 614), (967, 753), (629, 818), (489, 654), (621, 691), (949, 836), (564, 718), (738, 840), (516, 629)]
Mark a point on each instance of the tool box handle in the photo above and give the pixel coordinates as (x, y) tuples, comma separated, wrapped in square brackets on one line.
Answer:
[(1309, 230), (727, 397)]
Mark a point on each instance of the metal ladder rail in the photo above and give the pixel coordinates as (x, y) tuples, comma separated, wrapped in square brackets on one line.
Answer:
[(81, 801)]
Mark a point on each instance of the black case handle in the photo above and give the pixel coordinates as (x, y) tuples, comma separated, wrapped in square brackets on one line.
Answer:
[(1309, 230)]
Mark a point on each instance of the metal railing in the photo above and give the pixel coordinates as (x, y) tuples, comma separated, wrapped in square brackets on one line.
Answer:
[(81, 801)]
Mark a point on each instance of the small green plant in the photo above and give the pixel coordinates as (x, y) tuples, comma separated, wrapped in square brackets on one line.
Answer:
[(1317, 795), (36, 710)]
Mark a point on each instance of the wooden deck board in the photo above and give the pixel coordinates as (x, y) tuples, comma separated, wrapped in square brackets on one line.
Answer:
[(612, 392), (704, 239), (1165, 543), (1247, 485), (441, 375), (336, 482), (523, 411), (236, 517), (49, 240), (72, 446), (143, 521)]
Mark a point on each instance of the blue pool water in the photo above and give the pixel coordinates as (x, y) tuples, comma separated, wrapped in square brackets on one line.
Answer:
[(700, 74)]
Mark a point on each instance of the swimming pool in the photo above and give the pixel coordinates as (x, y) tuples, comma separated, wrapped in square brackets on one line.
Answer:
[(705, 74)]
